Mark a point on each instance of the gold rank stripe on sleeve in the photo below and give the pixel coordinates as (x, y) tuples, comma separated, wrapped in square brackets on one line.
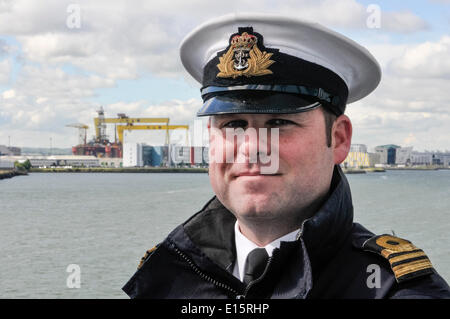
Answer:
[(147, 253), (406, 260), (411, 267), (406, 256)]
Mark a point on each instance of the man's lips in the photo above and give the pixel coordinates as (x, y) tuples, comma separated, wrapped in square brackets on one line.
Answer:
[(255, 174)]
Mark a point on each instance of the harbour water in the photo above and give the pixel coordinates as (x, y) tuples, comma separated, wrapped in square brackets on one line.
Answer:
[(104, 223)]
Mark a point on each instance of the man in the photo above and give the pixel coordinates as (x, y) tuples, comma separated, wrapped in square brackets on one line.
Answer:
[(281, 228)]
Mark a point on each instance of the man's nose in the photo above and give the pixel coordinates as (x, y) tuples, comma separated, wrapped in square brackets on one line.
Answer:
[(251, 145)]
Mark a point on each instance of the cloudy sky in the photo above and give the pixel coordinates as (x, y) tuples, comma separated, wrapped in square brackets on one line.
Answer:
[(123, 55)]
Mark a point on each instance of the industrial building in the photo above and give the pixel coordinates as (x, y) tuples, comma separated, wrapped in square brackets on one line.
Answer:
[(406, 156), (101, 146), (358, 148), (189, 156), (387, 153), (440, 158), (55, 160), (6, 163), (140, 154), (110, 162), (132, 155), (420, 158), (359, 157), (403, 155)]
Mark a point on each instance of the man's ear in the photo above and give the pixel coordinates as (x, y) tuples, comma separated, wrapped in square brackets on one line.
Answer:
[(342, 138), (209, 123)]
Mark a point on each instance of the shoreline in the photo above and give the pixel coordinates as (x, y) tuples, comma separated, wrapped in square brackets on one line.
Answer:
[(120, 170), (384, 169), (418, 168), (151, 170), (11, 173), (194, 170)]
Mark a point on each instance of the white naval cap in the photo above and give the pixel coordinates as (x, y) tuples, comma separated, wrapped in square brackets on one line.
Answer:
[(293, 57)]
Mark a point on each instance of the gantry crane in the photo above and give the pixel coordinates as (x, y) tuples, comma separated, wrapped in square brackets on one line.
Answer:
[(82, 132), (121, 128), (100, 124)]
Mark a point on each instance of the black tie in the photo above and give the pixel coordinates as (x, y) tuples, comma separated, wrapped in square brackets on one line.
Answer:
[(255, 264)]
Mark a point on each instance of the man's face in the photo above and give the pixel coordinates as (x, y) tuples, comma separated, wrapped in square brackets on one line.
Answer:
[(305, 165)]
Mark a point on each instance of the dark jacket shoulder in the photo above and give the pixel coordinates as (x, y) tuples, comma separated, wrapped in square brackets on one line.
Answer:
[(411, 271)]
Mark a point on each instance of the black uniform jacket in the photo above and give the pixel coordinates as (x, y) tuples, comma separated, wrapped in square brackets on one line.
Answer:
[(332, 258)]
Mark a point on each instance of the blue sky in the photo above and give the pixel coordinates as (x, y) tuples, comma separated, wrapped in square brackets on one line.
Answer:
[(125, 58)]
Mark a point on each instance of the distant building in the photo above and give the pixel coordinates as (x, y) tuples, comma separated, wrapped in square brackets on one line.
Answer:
[(180, 155), (9, 151), (421, 158), (408, 157), (189, 155), (358, 148), (387, 153), (155, 155), (140, 155), (6, 164), (132, 155), (113, 162), (441, 158), (55, 160), (359, 157), (357, 160), (403, 156)]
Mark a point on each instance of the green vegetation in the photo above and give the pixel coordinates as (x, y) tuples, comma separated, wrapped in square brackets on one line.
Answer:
[(375, 169), (25, 166)]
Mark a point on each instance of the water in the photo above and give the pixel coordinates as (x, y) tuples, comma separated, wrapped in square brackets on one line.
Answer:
[(105, 222)]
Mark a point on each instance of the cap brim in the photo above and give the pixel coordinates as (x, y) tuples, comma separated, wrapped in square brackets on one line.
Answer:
[(251, 103)]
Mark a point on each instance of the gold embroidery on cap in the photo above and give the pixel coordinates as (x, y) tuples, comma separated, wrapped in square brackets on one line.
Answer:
[(244, 58)]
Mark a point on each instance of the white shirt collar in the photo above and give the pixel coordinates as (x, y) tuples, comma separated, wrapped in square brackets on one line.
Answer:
[(244, 246)]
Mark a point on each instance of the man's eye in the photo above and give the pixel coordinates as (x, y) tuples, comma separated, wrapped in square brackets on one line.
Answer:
[(279, 122), (235, 124)]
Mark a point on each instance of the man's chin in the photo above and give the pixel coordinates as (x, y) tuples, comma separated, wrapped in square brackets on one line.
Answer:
[(259, 207)]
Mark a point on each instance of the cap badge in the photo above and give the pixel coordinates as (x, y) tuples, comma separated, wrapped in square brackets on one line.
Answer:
[(244, 58)]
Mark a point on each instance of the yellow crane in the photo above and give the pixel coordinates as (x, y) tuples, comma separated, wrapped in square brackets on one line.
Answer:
[(100, 123), (121, 128)]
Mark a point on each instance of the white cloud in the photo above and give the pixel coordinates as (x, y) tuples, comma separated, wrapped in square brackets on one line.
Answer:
[(428, 59), (8, 94), (402, 22), (31, 17), (410, 106), (5, 71), (47, 98), (179, 112), (119, 40), (124, 107)]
